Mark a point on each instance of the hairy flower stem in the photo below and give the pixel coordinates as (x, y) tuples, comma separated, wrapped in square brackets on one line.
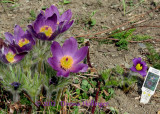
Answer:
[(16, 96), (59, 94), (40, 66), (49, 95)]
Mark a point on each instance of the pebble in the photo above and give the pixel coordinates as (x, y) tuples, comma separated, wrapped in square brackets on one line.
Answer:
[(111, 49), (123, 28), (142, 45)]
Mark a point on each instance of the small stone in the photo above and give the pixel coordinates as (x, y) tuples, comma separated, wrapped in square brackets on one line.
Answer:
[(111, 49), (123, 28), (10, 15), (142, 45)]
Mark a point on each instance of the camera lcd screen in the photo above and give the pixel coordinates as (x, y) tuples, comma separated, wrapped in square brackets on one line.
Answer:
[(151, 81)]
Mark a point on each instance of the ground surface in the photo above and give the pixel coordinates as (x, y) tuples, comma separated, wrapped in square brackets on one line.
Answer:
[(109, 13)]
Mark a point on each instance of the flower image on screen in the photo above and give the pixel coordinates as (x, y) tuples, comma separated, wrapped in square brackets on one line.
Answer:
[(151, 81)]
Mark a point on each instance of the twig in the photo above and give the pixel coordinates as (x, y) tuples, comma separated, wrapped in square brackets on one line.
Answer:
[(90, 83), (88, 57), (96, 98), (114, 28), (113, 39), (91, 75), (30, 99)]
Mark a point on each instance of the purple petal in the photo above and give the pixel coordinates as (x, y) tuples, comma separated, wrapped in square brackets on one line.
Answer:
[(142, 72), (19, 57), (52, 22), (18, 32), (67, 26), (25, 48), (50, 11), (66, 16), (70, 46), (42, 36), (32, 31), (63, 73), (79, 68), (136, 61), (53, 36), (56, 50), (133, 69), (40, 21), (145, 68), (9, 37), (3, 58), (80, 54), (29, 37), (54, 63), (143, 63)]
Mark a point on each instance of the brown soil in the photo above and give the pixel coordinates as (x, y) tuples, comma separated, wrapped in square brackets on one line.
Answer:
[(109, 13)]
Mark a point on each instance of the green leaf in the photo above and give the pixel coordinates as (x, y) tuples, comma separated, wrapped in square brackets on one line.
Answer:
[(94, 83), (84, 95), (111, 91), (76, 81), (84, 82), (66, 2), (89, 85), (93, 13), (119, 69), (105, 74), (80, 40), (93, 22), (78, 91)]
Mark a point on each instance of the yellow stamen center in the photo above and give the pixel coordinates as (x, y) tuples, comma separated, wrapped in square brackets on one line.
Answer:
[(10, 57), (46, 30), (23, 42), (66, 62), (139, 67), (57, 22)]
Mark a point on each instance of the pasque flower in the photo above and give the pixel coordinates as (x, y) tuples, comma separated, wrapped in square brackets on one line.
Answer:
[(8, 55), (67, 58), (15, 85), (139, 66), (21, 41), (44, 28), (49, 24), (64, 21)]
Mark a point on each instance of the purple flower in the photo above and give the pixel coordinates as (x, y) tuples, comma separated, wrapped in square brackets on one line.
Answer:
[(66, 58), (50, 24), (15, 85), (22, 41), (8, 55), (63, 20), (44, 28), (139, 66)]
